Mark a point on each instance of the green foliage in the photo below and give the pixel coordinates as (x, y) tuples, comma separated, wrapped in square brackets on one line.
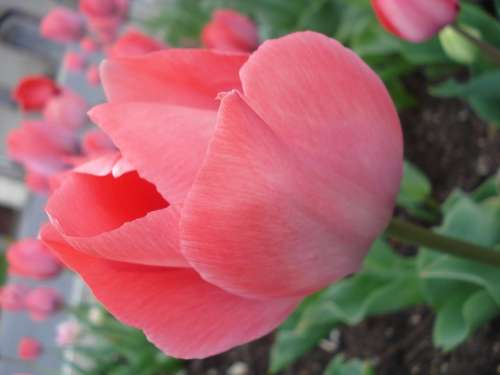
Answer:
[(3, 269), (388, 282), (464, 293), (112, 348), (340, 366), (481, 92)]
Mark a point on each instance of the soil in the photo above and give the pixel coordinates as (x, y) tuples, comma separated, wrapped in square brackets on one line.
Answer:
[(455, 149)]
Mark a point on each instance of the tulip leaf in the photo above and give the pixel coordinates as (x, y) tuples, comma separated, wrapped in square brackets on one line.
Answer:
[(386, 283), (415, 188), (340, 366), (461, 314), (481, 92), (475, 16)]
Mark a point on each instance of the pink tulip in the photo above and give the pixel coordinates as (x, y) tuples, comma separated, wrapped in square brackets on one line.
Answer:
[(87, 44), (230, 31), (62, 25), (67, 333), (29, 349), (74, 61), (67, 110), (12, 297), (36, 182), (92, 75), (43, 302), (30, 258), (256, 181), (134, 43), (415, 20), (104, 16), (40, 147), (33, 92)]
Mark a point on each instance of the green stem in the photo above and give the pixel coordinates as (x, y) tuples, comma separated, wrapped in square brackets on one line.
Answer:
[(489, 49), (416, 235)]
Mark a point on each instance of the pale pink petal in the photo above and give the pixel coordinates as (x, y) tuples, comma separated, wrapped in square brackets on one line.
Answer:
[(415, 20), (144, 230), (177, 76), (95, 142), (179, 312), (166, 144)]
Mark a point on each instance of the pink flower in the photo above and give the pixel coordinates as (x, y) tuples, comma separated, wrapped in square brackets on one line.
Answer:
[(104, 16), (41, 147), (12, 297), (134, 43), (68, 332), (74, 61), (67, 110), (30, 258), (230, 31), (232, 209), (43, 302), (415, 20), (33, 92), (92, 75), (62, 25), (87, 44), (29, 349)]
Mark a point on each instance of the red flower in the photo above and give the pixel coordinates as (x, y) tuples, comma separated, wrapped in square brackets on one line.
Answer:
[(62, 25), (33, 92), (230, 31), (415, 20), (29, 349), (230, 210), (30, 258)]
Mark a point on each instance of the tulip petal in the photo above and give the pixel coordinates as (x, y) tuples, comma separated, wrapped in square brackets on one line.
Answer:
[(179, 312), (176, 76), (415, 20), (262, 221), (166, 144), (335, 109), (144, 230)]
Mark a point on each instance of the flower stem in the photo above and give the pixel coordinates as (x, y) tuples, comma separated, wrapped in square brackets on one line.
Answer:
[(488, 49), (416, 235)]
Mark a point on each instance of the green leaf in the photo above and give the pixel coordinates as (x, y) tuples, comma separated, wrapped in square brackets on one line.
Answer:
[(475, 16), (481, 92), (298, 335), (464, 293), (415, 186), (387, 282), (462, 313), (340, 366), (3, 269)]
